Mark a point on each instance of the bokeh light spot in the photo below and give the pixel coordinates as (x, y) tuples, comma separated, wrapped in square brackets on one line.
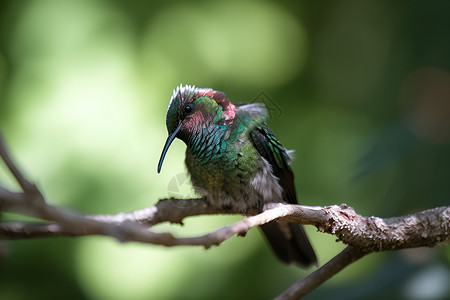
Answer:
[(246, 42)]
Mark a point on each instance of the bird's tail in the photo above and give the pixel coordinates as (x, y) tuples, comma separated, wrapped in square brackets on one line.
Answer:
[(290, 243)]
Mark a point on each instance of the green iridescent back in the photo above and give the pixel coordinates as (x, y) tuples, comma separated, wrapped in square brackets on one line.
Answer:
[(222, 156)]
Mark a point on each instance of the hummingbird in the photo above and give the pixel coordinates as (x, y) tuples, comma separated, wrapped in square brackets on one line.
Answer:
[(235, 162)]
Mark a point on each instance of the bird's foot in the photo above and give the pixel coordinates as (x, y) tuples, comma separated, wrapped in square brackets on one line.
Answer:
[(227, 207), (260, 206)]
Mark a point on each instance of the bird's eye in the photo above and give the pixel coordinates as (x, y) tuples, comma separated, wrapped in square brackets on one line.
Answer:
[(188, 109)]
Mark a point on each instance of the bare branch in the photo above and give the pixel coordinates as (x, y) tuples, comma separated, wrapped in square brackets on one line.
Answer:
[(319, 276), (428, 228), (6, 157), (364, 235)]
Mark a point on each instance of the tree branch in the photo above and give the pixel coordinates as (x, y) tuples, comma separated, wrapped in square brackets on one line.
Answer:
[(316, 278), (21, 180), (364, 235), (424, 229)]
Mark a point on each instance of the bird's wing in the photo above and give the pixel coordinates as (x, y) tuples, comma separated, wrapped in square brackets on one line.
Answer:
[(270, 148)]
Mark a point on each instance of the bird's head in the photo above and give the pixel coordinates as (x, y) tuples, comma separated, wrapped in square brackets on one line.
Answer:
[(191, 109)]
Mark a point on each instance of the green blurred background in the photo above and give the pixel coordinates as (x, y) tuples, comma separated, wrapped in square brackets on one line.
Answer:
[(360, 89)]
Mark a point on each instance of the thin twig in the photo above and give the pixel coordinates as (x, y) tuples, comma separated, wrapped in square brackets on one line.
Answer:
[(6, 157), (319, 276), (368, 234), (364, 235)]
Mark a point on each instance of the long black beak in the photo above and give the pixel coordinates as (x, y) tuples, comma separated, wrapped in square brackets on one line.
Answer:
[(169, 141)]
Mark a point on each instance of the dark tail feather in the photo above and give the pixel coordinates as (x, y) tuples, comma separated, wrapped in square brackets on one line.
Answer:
[(290, 243)]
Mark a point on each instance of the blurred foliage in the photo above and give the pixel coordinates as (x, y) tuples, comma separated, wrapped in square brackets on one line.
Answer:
[(363, 94)]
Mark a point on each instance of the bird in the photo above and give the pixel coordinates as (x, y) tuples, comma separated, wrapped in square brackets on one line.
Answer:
[(235, 162)]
